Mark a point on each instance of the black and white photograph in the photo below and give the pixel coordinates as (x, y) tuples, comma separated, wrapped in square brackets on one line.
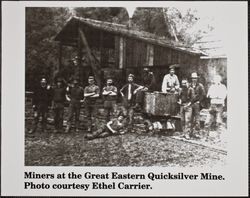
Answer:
[(121, 91), (115, 86)]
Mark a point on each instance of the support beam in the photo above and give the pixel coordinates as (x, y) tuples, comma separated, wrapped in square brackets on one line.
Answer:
[(79, 54), (121, 53), (101, 48), (96, 68), (60, 57), (150, 55)]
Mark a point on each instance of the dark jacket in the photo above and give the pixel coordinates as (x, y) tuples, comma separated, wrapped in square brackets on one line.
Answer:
[(199, 94), (75, 94), (42, 96), (186, 94), (125, 90), (148, 80), (59, 94)]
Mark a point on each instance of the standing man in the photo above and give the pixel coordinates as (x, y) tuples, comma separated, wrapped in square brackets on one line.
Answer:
[(128, 92), (185, 98), (217, 93), (75, 97), (196, 104), (148, 83), (91, 93), (41, 101), (58, 97), (170, 83), (110, 96)]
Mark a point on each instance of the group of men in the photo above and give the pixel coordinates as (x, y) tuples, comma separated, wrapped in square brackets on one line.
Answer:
[(56, 96), (191, 99)]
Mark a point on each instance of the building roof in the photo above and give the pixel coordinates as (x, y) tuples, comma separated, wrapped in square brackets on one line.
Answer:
[(212, 45), (124, 30)]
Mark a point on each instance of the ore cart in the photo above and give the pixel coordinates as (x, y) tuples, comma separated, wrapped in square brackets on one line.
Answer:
[(162, 107)]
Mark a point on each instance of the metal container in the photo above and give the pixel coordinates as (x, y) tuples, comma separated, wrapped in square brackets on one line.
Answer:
[(160, 104)]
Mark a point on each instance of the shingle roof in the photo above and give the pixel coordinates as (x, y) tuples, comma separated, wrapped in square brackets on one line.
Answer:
[(124, 30)]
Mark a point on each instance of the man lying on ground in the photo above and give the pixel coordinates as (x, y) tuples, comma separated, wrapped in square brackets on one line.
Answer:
[(115, 126)]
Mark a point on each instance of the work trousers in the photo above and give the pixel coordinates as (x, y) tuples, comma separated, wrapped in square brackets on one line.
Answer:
[(128, 111), (186, 115), (74, 111), (195, 118), (90, 110), (110, 107), (42, 111), (215, 116), (58, 114)]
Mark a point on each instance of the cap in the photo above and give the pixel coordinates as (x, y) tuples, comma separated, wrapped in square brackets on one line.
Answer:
[(131, 75), (173, 66), (194, 75)]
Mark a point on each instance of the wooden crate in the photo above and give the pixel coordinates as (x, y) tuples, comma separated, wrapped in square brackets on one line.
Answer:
[(160, 104)]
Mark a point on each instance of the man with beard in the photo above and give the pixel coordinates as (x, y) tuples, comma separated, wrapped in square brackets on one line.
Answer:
[(58, 97), (75, 97), (148, 83), (109, 93), (91, 93), (41, 101)]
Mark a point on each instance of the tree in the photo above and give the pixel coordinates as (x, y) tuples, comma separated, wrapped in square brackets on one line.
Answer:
[(42, 24)]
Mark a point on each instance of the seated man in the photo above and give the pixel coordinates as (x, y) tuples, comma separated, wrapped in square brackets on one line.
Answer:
[(114, 126)]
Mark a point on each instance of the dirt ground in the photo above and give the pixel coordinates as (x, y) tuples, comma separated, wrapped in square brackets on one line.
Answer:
[(136, 148)]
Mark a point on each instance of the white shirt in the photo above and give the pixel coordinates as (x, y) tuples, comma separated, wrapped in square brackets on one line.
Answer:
[(129, 92), (217, 93), (169, 81)]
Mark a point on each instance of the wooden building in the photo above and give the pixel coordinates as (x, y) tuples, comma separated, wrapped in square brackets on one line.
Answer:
[(116, 50)]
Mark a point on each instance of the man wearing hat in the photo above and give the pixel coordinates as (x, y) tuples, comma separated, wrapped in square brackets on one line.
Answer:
[(197, 104), (75, 97), (109, 93), (170, 83), (41, 101), (91, 93), (148, 82), (128, 93), (58, 98)]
